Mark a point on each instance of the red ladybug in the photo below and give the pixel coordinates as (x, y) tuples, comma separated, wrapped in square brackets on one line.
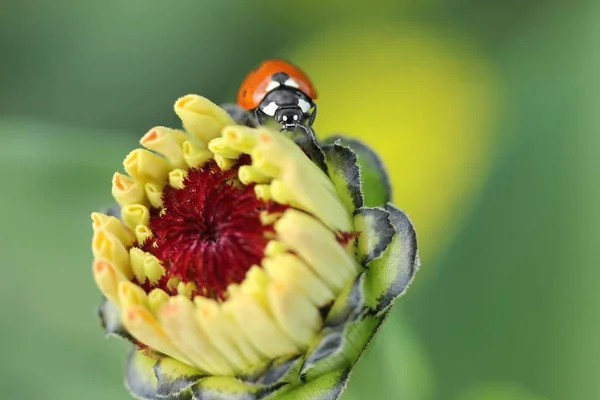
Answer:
[(279, 90)]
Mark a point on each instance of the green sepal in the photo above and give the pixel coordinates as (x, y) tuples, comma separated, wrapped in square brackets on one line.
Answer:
[(306, 140), (347, 331), (110, 319), (375, 233), (375, 186), (344, 172), (140, 379), (341, 346), (349, 303), (284, 369), (175, 378), (230, 388), (389, 275), (326, 387)]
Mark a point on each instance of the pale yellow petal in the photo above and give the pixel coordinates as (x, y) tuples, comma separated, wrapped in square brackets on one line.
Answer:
[(248, 175), (142, 233), (224, 335), (136, 258), (179, 322), (290, 271), (131, 294), (298, 318), (275, 247), (263, 192), (156, 299), (134, 215), (221, 147), (146, 166), (153, 268), (194, 155), (154, 193), (108, 277), (224, 163), (258, 326), (127, 191), (318, 247), (176, 178), (113, 225), (240, 138), (142, 325), (202, 118), (106, 245), (167, 142), (298, 181)]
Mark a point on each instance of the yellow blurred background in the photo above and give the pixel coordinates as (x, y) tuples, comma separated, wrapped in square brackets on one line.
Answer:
[(485, 113)]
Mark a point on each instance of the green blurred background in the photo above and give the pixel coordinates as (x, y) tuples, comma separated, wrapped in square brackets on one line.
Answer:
[(486, 113)]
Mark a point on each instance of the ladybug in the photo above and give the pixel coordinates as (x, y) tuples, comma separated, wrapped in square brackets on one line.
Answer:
[(278, 89)]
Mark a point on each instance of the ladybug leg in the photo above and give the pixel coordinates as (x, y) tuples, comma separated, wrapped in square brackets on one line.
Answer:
[(259, 117), (311, 118), (239, 115)]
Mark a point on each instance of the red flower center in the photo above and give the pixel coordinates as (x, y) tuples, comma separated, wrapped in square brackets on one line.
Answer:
[(210, 231)]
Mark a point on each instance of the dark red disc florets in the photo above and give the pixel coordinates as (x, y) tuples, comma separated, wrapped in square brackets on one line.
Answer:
[(209, 232)]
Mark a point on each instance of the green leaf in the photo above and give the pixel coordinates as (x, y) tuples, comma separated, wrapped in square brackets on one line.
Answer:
[(325, 387), (375, 186), (375, 233), (343, 169), (139, 375), (175, 378), (389, 275)]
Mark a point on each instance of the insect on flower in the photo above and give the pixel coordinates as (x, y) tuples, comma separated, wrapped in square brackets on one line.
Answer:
[(242, 267), (279, 90)]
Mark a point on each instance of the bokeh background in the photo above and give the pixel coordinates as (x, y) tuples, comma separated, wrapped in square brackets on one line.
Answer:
[(486, 113)]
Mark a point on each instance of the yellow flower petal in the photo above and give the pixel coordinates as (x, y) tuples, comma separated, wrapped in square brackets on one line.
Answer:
[(240, 138), (108, 277), (136, 258), (318, 247), (177, 318), (248, 175), (224, 335), (220, 147), (258, 326), (167, 142), (299, 318), (201, 118), (134, 215), (156, 299), (153, 269), (154, 193), (113, 225), (195, 156), (108, 246), (131, 294), (289, 271), (145, 166), (176, 178), (127, 191), (142, 325)]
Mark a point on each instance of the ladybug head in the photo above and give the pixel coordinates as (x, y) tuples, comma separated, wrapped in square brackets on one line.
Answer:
[(289, 117)]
